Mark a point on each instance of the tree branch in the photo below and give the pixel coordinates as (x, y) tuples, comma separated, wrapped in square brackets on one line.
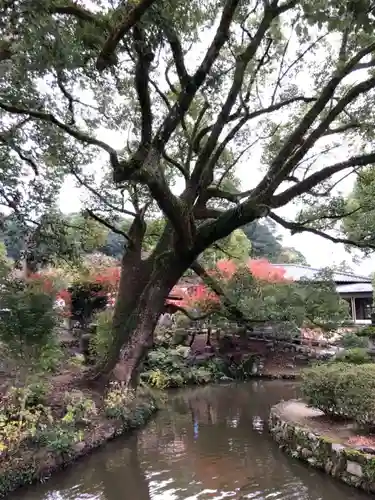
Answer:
[(142, 70), (75, 10), (231, 310), (178, 54), (251, 115), (130, 17), (106, 223), (192, 317), (188, 93), (202, 168), (77, 134), (294, 227), (283, 164), (313, 180)]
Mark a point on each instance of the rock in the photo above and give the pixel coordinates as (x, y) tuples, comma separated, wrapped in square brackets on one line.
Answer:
[(366, 449), (337, 448), (354, 469), (79, 447), (328, 466), (306, 453)]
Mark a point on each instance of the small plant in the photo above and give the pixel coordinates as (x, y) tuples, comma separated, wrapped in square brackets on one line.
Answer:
[(118, 400), (28, 328), (61, 439), (79, 408), (158, 379), (21, 418)]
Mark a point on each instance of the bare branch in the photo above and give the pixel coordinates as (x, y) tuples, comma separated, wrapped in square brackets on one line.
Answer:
[(204, 213), (175, 164), (67, 95), (187, 94), (239, 73), (214, 192), (100, 197)]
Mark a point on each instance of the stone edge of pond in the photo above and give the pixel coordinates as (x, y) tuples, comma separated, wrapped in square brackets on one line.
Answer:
[(346, 464), (40, 468)]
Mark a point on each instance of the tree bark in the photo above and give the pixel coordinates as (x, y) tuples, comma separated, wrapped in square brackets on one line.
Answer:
[(143, 289)]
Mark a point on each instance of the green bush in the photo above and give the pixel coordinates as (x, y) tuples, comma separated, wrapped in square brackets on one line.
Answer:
[(28, 324), (356, 356), (350, 340), (101, 340), (341, 389), (367, 331)]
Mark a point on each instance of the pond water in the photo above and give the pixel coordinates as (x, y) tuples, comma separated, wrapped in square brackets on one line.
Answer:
[(209, 443)]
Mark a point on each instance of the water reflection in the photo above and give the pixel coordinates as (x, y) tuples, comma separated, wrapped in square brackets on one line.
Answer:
[(210, 443)]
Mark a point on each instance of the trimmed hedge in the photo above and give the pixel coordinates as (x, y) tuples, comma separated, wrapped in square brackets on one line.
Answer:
[(343, 390)]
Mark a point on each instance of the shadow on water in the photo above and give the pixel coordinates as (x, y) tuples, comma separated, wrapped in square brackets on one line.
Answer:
[(209, 443)]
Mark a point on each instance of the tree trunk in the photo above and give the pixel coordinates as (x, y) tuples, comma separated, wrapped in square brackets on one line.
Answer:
[(143, 289)]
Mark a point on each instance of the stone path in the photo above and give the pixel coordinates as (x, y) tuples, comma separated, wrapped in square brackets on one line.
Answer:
[(298, 412)]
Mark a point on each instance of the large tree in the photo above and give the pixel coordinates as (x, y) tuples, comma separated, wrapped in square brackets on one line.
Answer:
[(282, 88)]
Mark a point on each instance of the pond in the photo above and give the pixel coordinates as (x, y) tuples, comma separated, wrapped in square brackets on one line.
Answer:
[(209, 443)]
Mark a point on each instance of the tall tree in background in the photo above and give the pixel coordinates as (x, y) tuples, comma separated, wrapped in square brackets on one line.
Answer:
[(190, 91), (266, 243)]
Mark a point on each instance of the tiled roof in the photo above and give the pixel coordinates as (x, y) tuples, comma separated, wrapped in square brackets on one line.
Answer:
[(298, 272)]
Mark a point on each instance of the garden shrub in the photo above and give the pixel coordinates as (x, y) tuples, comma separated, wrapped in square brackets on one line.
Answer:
[(350, 340), (342, 389), (118, 401), (356, 356), (79, 408), (101, 340), (367, 331), (27, 328)]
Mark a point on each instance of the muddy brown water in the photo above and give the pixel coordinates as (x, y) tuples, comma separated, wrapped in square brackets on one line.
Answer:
[(209, 443)]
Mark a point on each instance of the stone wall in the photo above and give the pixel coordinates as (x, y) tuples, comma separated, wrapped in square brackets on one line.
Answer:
[(353, 467)]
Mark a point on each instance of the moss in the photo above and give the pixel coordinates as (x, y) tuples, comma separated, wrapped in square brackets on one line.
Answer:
[(369, 470), (352, 454), (328, 440), (318, 451)]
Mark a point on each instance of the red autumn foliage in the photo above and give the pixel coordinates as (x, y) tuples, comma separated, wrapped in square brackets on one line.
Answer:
[(265, 271), (201, 296), (109, 278)]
